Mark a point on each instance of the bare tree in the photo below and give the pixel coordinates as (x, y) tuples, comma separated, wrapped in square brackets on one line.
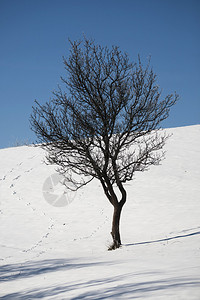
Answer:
[(105, 124)]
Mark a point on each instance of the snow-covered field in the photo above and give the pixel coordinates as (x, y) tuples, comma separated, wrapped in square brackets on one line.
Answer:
[(60, 252)]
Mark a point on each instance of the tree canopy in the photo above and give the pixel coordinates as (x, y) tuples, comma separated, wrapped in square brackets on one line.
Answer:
[(105, 123)]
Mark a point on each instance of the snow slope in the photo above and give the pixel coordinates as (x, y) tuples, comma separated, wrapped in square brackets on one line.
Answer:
[(53, 252)]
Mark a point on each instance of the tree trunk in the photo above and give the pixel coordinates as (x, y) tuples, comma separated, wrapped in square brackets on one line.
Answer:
[(115, 226)]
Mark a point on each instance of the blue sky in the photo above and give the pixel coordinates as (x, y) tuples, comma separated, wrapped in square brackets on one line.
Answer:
[(34, 37)]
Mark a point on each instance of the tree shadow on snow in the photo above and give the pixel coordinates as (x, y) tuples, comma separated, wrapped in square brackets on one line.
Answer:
[(29, 269), (97, 289), (165, 239), (131, 285)]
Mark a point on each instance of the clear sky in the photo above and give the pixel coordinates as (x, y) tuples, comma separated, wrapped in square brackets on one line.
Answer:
[(34, 37)]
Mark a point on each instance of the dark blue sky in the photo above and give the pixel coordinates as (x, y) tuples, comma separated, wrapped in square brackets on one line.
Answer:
[(34, 37)]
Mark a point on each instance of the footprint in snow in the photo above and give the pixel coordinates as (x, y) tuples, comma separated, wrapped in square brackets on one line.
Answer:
[(50, 227), (32, 157), (17, 177), (46, 235), (28, 170)]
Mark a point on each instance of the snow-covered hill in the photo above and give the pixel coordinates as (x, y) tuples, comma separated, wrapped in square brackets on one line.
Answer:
[(53, 245)]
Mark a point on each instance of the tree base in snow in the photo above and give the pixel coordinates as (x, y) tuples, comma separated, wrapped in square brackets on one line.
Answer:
[(115, 244)]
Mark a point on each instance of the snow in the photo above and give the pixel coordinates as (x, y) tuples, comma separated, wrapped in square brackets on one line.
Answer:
[(60, 252)]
